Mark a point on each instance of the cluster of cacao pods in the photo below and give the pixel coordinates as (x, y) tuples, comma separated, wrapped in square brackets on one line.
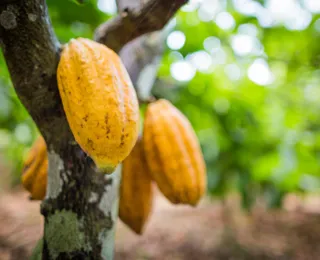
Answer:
[(103, 114), (169, 155)]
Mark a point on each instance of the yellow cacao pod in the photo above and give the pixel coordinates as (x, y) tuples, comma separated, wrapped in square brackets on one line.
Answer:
[(35, 170), (136, 194), (99, 100), (173, 154)]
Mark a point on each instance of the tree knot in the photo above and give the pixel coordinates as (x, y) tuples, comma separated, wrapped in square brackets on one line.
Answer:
[(8, 20)]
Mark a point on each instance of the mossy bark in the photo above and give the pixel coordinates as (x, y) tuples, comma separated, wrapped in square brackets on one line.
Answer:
[(81, 212)]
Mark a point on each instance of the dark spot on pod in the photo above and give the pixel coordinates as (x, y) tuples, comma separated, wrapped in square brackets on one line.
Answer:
[(85, 118), (106, 119), (122, 140), (90, 143)]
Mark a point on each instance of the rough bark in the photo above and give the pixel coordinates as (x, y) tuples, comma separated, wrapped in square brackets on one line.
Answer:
[(80, 208)]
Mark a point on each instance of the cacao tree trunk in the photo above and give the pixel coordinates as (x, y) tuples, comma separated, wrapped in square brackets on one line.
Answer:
[(80, 208), (81, 205)]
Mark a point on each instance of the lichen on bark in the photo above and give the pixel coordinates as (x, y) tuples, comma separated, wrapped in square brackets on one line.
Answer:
[(106, 238), (8, 20), (107, 201), (65, 233), (55, 181), (85, 207)]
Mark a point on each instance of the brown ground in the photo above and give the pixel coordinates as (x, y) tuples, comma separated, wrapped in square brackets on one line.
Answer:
[(175, 233)]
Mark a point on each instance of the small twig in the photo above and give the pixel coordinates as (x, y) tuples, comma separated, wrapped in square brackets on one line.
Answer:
[(147, 101)]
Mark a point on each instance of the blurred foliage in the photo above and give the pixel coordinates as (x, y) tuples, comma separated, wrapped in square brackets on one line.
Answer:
[(248, 80), (259, 138)]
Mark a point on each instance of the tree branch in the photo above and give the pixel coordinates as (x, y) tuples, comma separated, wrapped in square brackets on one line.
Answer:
[(31, 51), (131, 23)]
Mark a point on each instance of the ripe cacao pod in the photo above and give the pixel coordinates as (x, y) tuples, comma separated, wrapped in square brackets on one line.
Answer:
[(136, 194), (35, 170), (99, 100), (173, 154)]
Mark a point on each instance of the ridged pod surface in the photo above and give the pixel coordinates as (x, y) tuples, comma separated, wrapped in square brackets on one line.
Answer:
[(99, 100), (173, 154), (136, 194), (35, 170)]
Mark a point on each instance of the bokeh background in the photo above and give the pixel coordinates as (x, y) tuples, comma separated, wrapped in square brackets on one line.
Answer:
[(246, 74)]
